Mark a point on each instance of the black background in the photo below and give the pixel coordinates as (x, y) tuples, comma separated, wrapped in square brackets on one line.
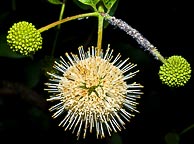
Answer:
[(168, 25)]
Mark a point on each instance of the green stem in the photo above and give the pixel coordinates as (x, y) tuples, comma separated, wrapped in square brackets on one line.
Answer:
[(100, 33), (47, 27), (61, 13), (157, 54), (100, 30), (58, 29), (187, 129), (13, 3), (55, 41)]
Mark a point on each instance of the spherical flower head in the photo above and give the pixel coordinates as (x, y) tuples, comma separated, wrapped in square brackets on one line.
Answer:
[(24, 38), (175, 72), (92, 92)]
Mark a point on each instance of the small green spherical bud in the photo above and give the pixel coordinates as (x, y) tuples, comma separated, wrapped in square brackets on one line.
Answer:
[(24, 38), (175, 72)]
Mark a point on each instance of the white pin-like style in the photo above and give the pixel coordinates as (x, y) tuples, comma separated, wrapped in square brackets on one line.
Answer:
[(92, 93)]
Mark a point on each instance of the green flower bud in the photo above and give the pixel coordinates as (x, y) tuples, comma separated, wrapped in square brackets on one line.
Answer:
[(24, 38), (175, 72)]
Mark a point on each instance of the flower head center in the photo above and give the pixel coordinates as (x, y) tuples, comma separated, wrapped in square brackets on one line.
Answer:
[(96, 90)]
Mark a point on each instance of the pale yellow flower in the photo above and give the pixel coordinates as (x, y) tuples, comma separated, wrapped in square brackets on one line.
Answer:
[(92, 93)]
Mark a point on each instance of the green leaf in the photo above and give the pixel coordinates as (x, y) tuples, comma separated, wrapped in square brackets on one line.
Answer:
[(116, 139), (40, 117), (113, 8), (109, 3), (4, 16), (134, 53), (92, 3), (5, 51), (172, 138), (32, 74), (56, 2), (82, 6), (111, 12)]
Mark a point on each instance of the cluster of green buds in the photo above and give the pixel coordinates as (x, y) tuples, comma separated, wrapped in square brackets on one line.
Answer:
[(175, 71), (24, 38)]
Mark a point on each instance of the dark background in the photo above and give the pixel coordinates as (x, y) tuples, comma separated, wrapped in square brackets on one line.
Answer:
[(168, 25)]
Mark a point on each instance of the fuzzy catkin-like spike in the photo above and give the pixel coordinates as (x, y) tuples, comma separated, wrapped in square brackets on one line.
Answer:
[(174, 72), (141, 40)]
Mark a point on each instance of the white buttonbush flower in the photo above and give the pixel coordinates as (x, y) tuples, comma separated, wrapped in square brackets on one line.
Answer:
[(92, 93)]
